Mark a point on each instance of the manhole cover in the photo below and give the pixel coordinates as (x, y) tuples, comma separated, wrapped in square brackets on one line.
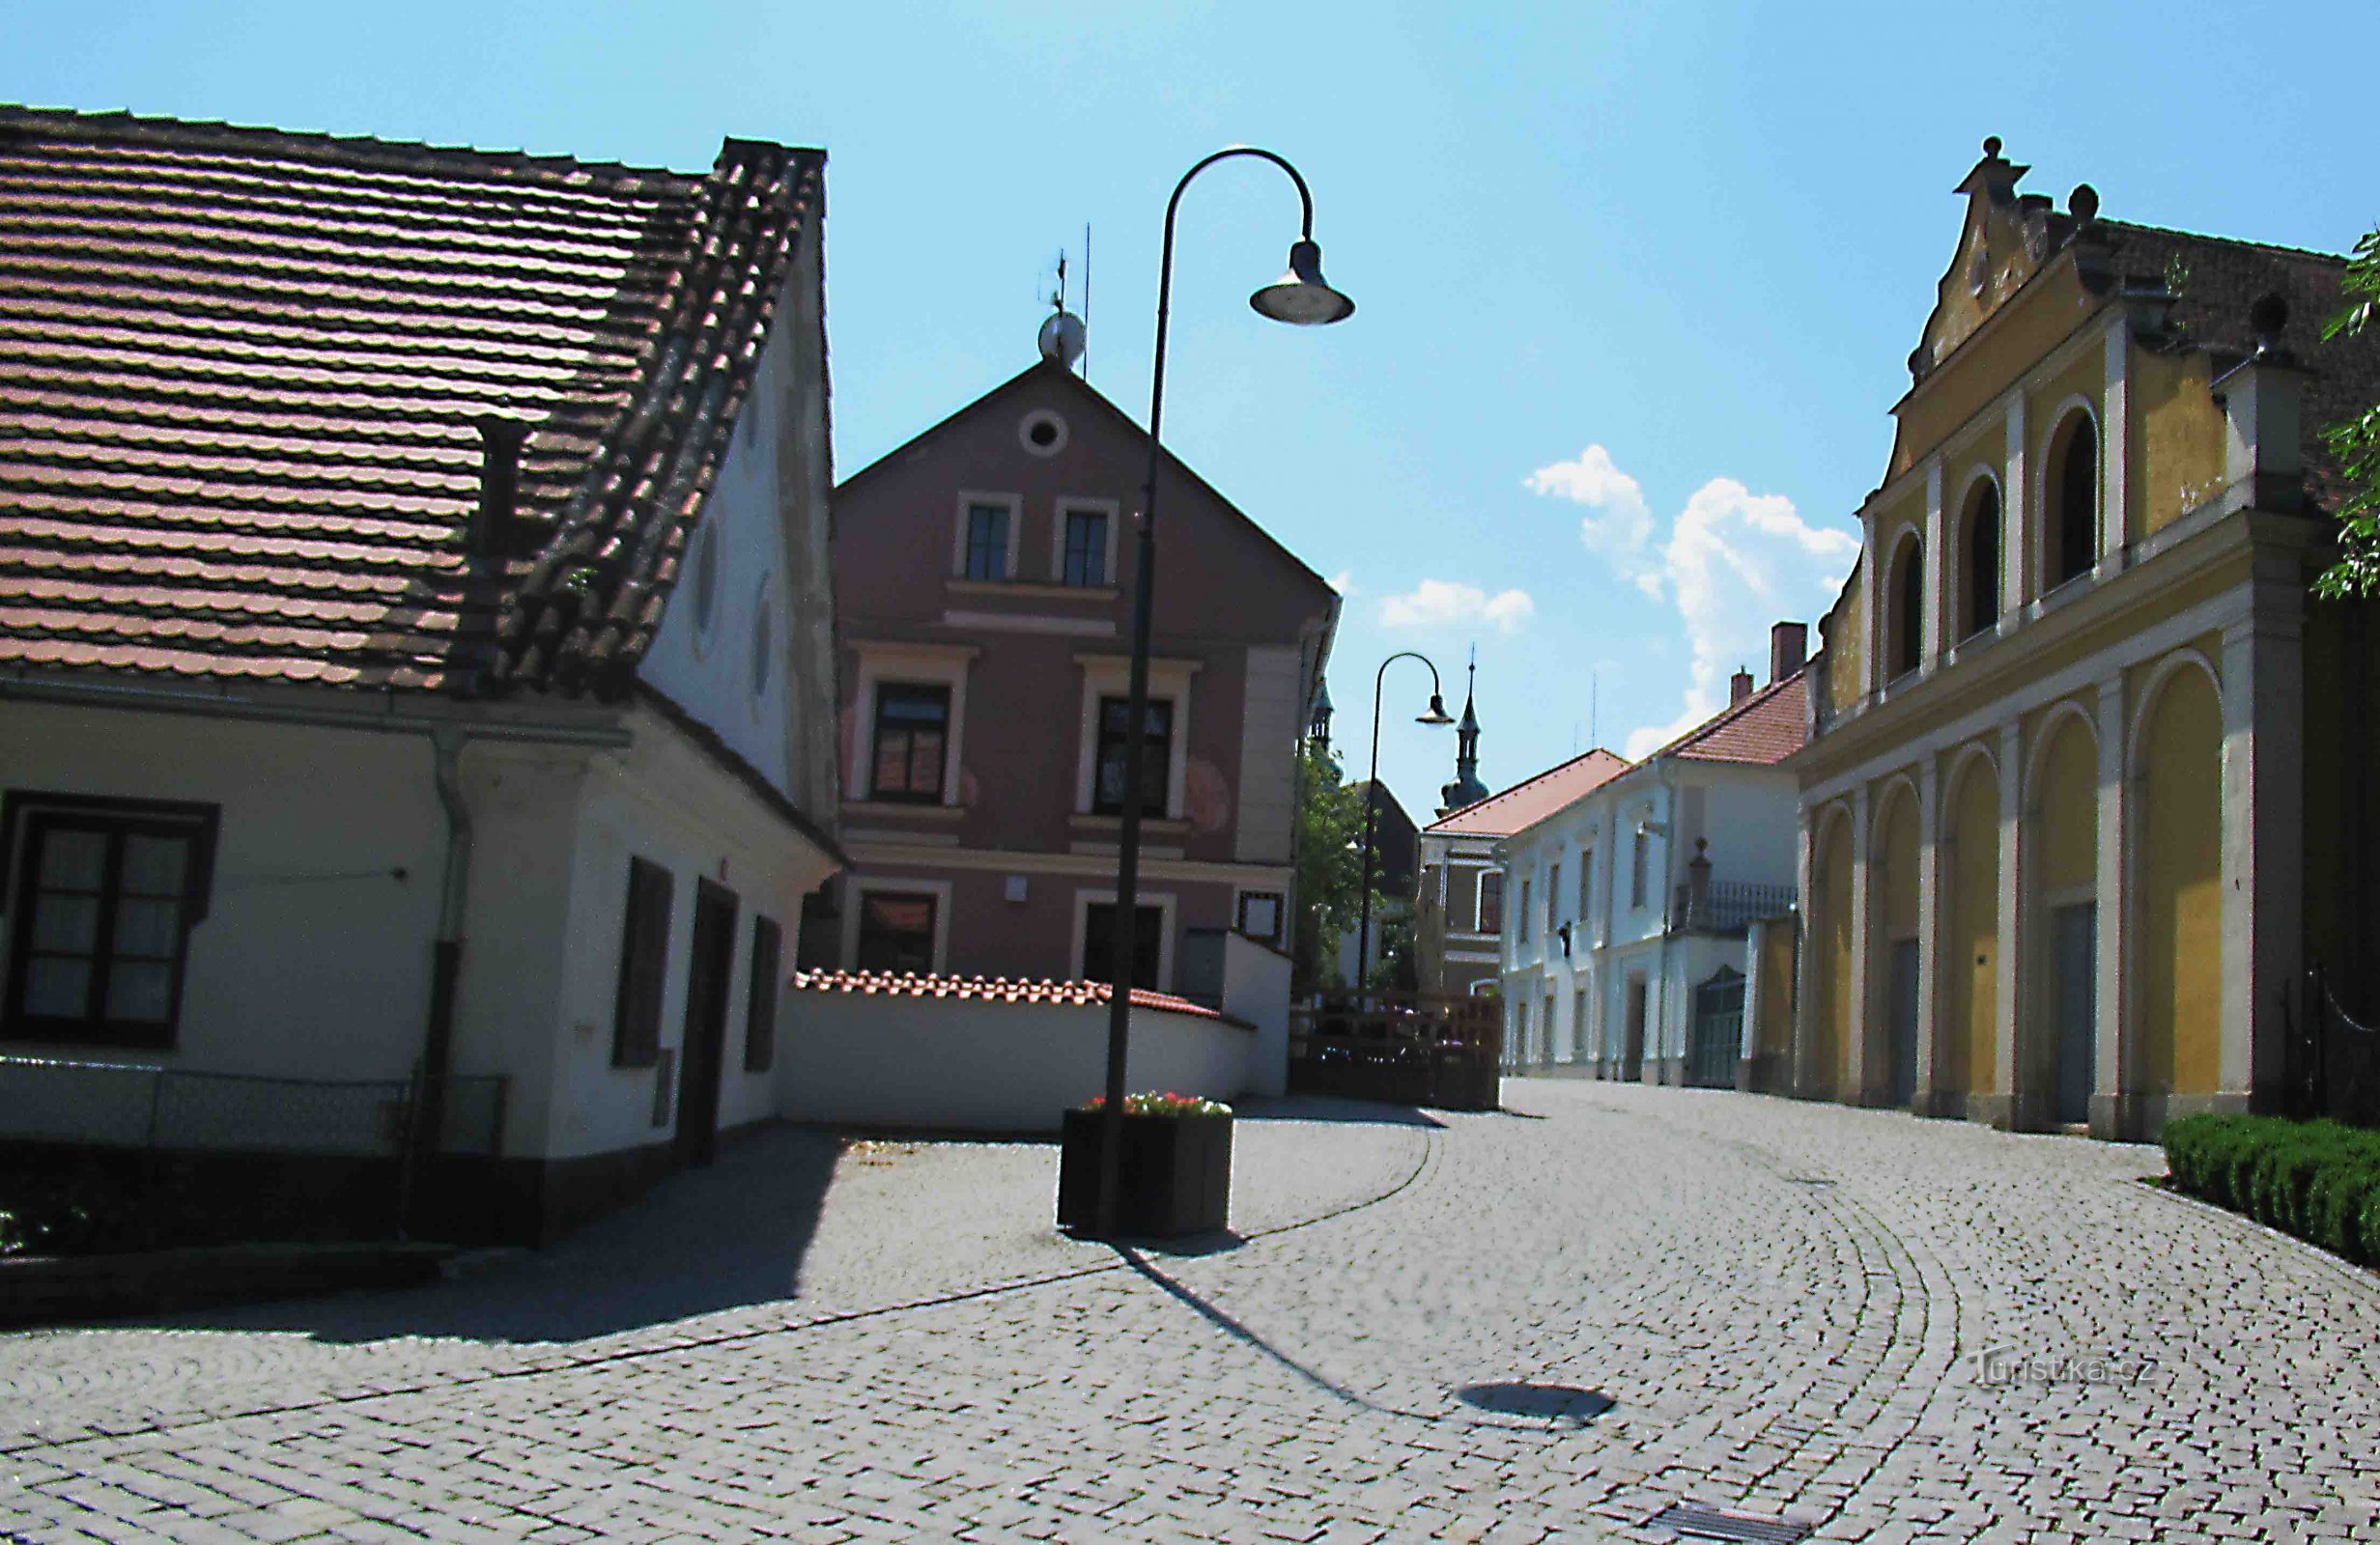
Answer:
[(1549, 1402), (1691, 1519)]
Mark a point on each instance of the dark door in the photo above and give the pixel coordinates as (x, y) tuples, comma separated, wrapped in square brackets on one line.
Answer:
[(1903, 1080), (1100, 944), (1718, 1041), (2076, 943), (1632, 1051), (706, 1024)]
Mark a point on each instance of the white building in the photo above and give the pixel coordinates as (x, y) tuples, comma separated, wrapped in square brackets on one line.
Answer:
[(414, 654), (1623, 939)]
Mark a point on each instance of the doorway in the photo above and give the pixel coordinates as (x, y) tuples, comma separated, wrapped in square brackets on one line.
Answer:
[(1632, 1051), (2076, 940), (706, 1024), (1901, 1078)]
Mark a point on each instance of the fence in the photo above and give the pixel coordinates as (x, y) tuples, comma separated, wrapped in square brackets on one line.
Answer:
[(1730, 906), (1431, 1049), (2335, 1057), (118, 1105)]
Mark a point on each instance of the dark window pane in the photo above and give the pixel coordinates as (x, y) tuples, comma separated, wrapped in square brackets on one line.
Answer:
[(1490, 903), (987, 542), (760, 1011), (104, 907), (644, 961), (1086, 547), (1156, 757), (896, 933), (912, 723), (1099, 945)]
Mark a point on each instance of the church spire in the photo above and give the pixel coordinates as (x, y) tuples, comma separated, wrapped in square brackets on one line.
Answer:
[(1466, 789)]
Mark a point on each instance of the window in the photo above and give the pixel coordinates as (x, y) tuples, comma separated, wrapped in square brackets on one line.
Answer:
[(1553, 896), (1906, 622), (107, 895), (1981, 607), (760, 1005), (1490, 902), (913, 722), (1586, 885), (644, 965), (987, 541), (1086, 555), (1525, 911), (1107, 794), (896, 932), (2074, 494), (1100, 944), (1640, 869), (1260, 914)]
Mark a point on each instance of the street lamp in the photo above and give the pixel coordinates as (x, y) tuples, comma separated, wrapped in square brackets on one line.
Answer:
[(1436, 716), (1302, 298)]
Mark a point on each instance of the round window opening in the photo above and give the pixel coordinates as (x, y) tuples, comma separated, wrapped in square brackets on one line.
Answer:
[(1042, 432)]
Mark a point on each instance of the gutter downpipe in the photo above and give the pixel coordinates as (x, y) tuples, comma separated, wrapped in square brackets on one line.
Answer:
[(1669, 890), (446, 971)]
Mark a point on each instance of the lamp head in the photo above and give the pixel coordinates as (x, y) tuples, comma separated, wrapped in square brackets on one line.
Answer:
[(1301, 297), (1437, 714)]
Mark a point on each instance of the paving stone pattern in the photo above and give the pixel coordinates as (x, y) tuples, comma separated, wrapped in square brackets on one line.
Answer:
[(1887, 1328)]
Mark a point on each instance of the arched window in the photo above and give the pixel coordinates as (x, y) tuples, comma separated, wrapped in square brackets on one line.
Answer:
[(1906, 623), (1979, 596), (2070, 545)]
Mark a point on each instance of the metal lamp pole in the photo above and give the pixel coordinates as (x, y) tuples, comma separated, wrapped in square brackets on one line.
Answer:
[(1302, 298), (1437, 715)]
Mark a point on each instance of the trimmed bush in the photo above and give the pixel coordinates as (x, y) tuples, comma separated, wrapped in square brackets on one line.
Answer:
[(2316, 1179)]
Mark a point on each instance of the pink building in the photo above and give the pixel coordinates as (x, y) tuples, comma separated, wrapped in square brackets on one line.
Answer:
[(983, 590)]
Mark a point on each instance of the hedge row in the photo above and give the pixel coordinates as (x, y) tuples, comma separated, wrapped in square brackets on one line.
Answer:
[(2316, 1179)]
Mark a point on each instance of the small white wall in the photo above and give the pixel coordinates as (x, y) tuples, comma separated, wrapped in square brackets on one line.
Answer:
[(898, 1062), (1256, 988)]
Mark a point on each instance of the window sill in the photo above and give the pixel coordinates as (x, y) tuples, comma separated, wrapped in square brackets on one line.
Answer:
[(1085, 820), (1031, 589), (914, 809)]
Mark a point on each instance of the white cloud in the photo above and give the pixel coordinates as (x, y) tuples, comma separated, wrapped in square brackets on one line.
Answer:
[(1618, 525), (1443, 602), (1343, 581), (1735, 562)]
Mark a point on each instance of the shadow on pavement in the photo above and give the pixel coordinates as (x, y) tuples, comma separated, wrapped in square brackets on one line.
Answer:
[(1326, 1107), (703, 1240)]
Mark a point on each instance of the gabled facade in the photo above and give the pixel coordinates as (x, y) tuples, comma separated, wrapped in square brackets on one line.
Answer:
[(414, 647), (2082, 789), (1622, 945), (984, 574)]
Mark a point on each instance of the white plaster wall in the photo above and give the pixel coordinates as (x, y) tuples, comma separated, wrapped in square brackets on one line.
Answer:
[(1748, 816), (1255, 988), (1271, 718), (966, 1065), (313, 960)]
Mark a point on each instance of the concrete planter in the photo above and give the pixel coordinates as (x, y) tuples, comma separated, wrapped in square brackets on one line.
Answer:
[(1175, 1173)]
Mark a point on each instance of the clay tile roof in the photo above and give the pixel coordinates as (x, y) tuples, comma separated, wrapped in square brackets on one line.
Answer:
[(246, 368), (995, 989), (1764, 729), (1527, 802)]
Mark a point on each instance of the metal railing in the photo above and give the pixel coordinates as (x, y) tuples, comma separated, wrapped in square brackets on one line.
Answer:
[(110, 1105), (1435, 1048), (1730, 906)]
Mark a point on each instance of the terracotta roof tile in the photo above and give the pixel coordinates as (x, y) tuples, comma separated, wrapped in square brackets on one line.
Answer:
[(1764, 729), (994, 990), (1532, 800), (245, 367)]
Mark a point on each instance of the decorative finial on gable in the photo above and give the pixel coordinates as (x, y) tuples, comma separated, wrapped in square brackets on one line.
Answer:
[(1991, 147)]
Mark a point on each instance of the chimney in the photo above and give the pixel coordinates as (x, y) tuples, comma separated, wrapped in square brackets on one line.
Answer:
[(1739, 687), (494, 527), (1789, 645)]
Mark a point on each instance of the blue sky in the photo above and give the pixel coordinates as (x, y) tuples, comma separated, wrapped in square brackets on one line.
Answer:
[(1635, 283)]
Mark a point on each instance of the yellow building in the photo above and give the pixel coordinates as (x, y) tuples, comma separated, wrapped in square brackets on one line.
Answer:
[(2077, 803)]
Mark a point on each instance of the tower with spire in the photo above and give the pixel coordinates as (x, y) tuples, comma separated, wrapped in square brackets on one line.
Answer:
[(1466, 789)]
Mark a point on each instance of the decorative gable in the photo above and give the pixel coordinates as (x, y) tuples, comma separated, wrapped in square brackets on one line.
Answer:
[(2007, 238)]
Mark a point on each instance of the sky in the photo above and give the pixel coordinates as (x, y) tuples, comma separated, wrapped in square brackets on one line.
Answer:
[(1635, 284)]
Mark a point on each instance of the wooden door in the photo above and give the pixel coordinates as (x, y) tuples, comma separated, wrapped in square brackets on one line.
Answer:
[(706, 1024)]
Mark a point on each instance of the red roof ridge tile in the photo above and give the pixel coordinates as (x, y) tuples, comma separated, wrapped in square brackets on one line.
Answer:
[(1445, 824), (1003, 989)]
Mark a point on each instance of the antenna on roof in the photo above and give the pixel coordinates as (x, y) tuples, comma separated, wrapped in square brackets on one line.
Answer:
[(1060, 339), (1087, 302), (1595, 685)]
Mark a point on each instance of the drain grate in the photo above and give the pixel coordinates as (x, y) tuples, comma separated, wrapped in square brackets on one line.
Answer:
[(1717, 1522)]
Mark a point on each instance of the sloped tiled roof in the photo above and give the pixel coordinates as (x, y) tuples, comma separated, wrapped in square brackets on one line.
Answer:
[(1531, 800), (994, 990), (246, 367), (1762, 730)]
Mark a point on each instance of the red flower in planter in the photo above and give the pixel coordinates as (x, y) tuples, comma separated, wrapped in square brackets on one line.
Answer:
[(1167, 1104)]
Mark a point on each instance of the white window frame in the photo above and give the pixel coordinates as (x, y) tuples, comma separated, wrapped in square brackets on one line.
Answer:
[(905, 665), (968, 499), (1280, 937), (860, 886), (1070, 505), (1163, 900), (1111, 676)]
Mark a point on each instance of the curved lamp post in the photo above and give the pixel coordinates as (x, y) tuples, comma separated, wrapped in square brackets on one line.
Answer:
[(1436, 716), (1302, 298)]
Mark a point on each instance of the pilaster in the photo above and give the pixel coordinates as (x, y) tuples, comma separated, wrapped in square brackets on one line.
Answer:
[(1864, 988), (1929, 1099), (1999, 1107), (1805, 1074), (2016, 517), (2115, 446), (2114, 1076), (2263, 836), (1934, 631)]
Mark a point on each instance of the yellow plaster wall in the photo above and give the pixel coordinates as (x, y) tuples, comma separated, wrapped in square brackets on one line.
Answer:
[(1969, 942), (2180, 886), (2177, 441), (1831, 951), (1896, 866), (2029, 327), (2064, 851), (1847, 649), (1776, 992)]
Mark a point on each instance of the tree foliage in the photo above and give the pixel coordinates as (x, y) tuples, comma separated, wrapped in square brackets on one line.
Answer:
[(1330, 864), (2356, 443)]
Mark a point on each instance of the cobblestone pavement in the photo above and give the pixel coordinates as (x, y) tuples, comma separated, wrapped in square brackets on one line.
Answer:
[(1887, 1328)]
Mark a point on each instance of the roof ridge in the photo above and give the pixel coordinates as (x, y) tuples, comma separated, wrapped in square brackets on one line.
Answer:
[(1529, 781), (2224, 240), (1728, 714)]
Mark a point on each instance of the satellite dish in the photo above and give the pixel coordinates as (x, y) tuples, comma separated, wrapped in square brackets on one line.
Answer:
[(1061, 339)]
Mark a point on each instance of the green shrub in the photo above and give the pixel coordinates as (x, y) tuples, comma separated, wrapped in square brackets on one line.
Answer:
[(2316, 1179)]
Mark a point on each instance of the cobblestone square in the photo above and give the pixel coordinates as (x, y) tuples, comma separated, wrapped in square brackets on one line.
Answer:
[(1885, 1327)]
